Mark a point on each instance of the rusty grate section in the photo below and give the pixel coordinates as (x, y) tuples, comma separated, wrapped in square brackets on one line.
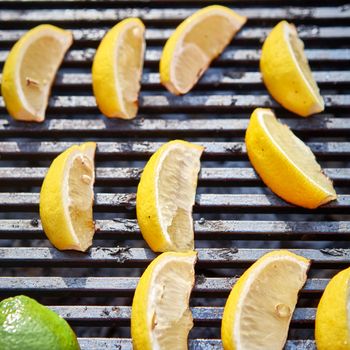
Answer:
[(237, 219)]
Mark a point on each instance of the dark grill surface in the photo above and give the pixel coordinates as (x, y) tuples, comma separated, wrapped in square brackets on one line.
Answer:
[(237, 219)]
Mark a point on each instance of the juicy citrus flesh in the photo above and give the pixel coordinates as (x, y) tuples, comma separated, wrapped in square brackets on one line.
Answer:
[(332, 326), (66, 198), (81, 196), (117, 69), (30, 70), (286, 165), (194, 44), (166, 195), (26, 324), (286, 71), (258, 311), (161, 318)]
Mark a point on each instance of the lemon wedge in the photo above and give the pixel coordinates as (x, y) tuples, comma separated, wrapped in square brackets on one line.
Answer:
[(117, 69), (197, 41), (261, 304), (286, 165), (67, 196), (332, 329), (286, 71), (161, 318), (30, 70), (166, 194)]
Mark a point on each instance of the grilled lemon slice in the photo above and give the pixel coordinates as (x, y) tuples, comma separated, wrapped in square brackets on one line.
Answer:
[(117, 69), (195, 43), (332, 330), (30, 70), (166, 194), (66, 198), (261, 304), (286, 165), (286, 71), (160, 317)]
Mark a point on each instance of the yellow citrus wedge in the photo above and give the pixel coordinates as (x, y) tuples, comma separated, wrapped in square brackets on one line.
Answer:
[(117, 69), (286, 71), (286, 165), (166, 194), (30, 70), (161, 318), (67, 196), (196, 42), (261, 304), (332, 316)]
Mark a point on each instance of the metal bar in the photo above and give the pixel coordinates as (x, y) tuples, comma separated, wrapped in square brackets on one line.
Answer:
[(121, 285), (126, 256), (306, 32), (121, 176), (231, 55), (108, 314), (217, 76), (145, 149), (204, 202), (169, 102), (177, 14), (204, 229), (194, 344), (149, 127)]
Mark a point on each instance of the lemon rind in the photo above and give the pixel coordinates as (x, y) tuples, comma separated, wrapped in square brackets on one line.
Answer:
[(116, 34), (19, 107), (53, 198), (260, 113), (319, 104)]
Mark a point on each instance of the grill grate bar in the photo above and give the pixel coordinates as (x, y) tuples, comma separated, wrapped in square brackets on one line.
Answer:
[(168, 102), (194, 344), (98, 315), (122, 176), (230, 56), (160, 35), (219, 77), (160, 127), (148, 15), (146, 149), (110, 256), (122, 285), (204, 202), (209, 229)]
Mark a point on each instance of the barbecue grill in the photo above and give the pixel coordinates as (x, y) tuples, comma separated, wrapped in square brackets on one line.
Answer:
[(237, 219)]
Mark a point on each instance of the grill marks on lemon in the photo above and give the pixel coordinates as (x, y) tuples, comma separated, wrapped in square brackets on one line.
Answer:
[(286, 71), (117, 69), (260, 306), (66, 198), (286, 165), (30, 69), (166, 194), (195, 43), (161, 318)]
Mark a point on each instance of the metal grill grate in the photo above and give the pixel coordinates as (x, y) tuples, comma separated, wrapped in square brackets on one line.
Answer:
[(236, 218)]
